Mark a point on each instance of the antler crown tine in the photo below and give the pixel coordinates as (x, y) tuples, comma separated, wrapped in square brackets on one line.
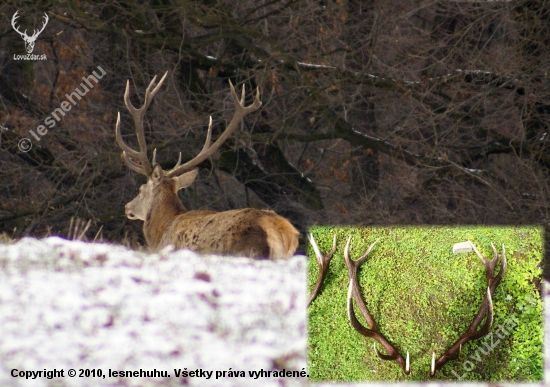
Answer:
[(240, 101), (138, 114), (149, 95), (131, 108), (242, 95)]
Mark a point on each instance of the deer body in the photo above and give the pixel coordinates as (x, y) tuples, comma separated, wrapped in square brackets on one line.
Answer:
[(245, 232)]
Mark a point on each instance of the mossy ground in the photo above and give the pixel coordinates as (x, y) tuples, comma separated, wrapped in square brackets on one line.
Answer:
[(423, 297)]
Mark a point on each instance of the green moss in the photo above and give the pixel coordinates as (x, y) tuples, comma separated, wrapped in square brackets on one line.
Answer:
[(423, 297)]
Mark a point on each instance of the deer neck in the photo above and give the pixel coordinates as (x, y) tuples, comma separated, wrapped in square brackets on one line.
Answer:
[(165, 206)]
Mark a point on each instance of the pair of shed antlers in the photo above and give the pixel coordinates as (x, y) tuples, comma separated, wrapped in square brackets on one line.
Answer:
[(472, 333)]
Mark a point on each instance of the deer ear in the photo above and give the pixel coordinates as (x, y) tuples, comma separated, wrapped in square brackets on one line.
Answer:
[(186, 179), (157, 174)]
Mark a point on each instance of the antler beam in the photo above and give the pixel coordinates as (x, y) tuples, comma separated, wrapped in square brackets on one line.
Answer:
[(373, 330), (208, 150), (323, 261), (138, 161), (486, 310)]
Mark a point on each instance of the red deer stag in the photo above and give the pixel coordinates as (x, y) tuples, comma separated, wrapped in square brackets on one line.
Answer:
[(245, 232)]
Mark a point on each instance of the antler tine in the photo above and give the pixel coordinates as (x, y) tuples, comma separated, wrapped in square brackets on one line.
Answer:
[(208, 135), (502, 270), (485, 311), (490, 265), (150, 93), (174, 170), (323, 261), (138, 114), (373, 332), (154, 160), (208, 150)]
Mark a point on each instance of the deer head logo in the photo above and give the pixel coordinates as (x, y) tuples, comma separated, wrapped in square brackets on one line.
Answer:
[(29, 40)]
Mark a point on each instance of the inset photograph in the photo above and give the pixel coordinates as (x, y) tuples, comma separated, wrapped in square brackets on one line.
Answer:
[(425, 303)]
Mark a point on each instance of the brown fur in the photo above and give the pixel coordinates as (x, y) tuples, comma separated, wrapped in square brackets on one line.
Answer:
[(245, 232)]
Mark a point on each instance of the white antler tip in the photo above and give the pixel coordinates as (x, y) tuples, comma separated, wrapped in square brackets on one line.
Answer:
[(318, 253), (346, 249)]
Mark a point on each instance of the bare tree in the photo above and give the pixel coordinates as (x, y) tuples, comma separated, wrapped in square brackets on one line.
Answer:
[(373, 113)]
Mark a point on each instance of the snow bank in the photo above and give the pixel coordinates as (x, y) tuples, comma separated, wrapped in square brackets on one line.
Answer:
[(74, 305)]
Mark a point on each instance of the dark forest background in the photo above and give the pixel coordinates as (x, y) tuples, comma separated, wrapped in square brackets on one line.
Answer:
[(374, 112)]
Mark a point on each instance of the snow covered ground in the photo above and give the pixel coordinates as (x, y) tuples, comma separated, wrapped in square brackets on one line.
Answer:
[(70, 305)]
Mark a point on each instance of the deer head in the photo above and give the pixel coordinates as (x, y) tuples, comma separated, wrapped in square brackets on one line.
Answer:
[(29, 40), (182, 175)]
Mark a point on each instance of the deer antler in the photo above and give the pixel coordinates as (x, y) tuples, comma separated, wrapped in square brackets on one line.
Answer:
[(323, 261), (486, 310), (130, 155), (208, 150), (24, 34), (373, 332)]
